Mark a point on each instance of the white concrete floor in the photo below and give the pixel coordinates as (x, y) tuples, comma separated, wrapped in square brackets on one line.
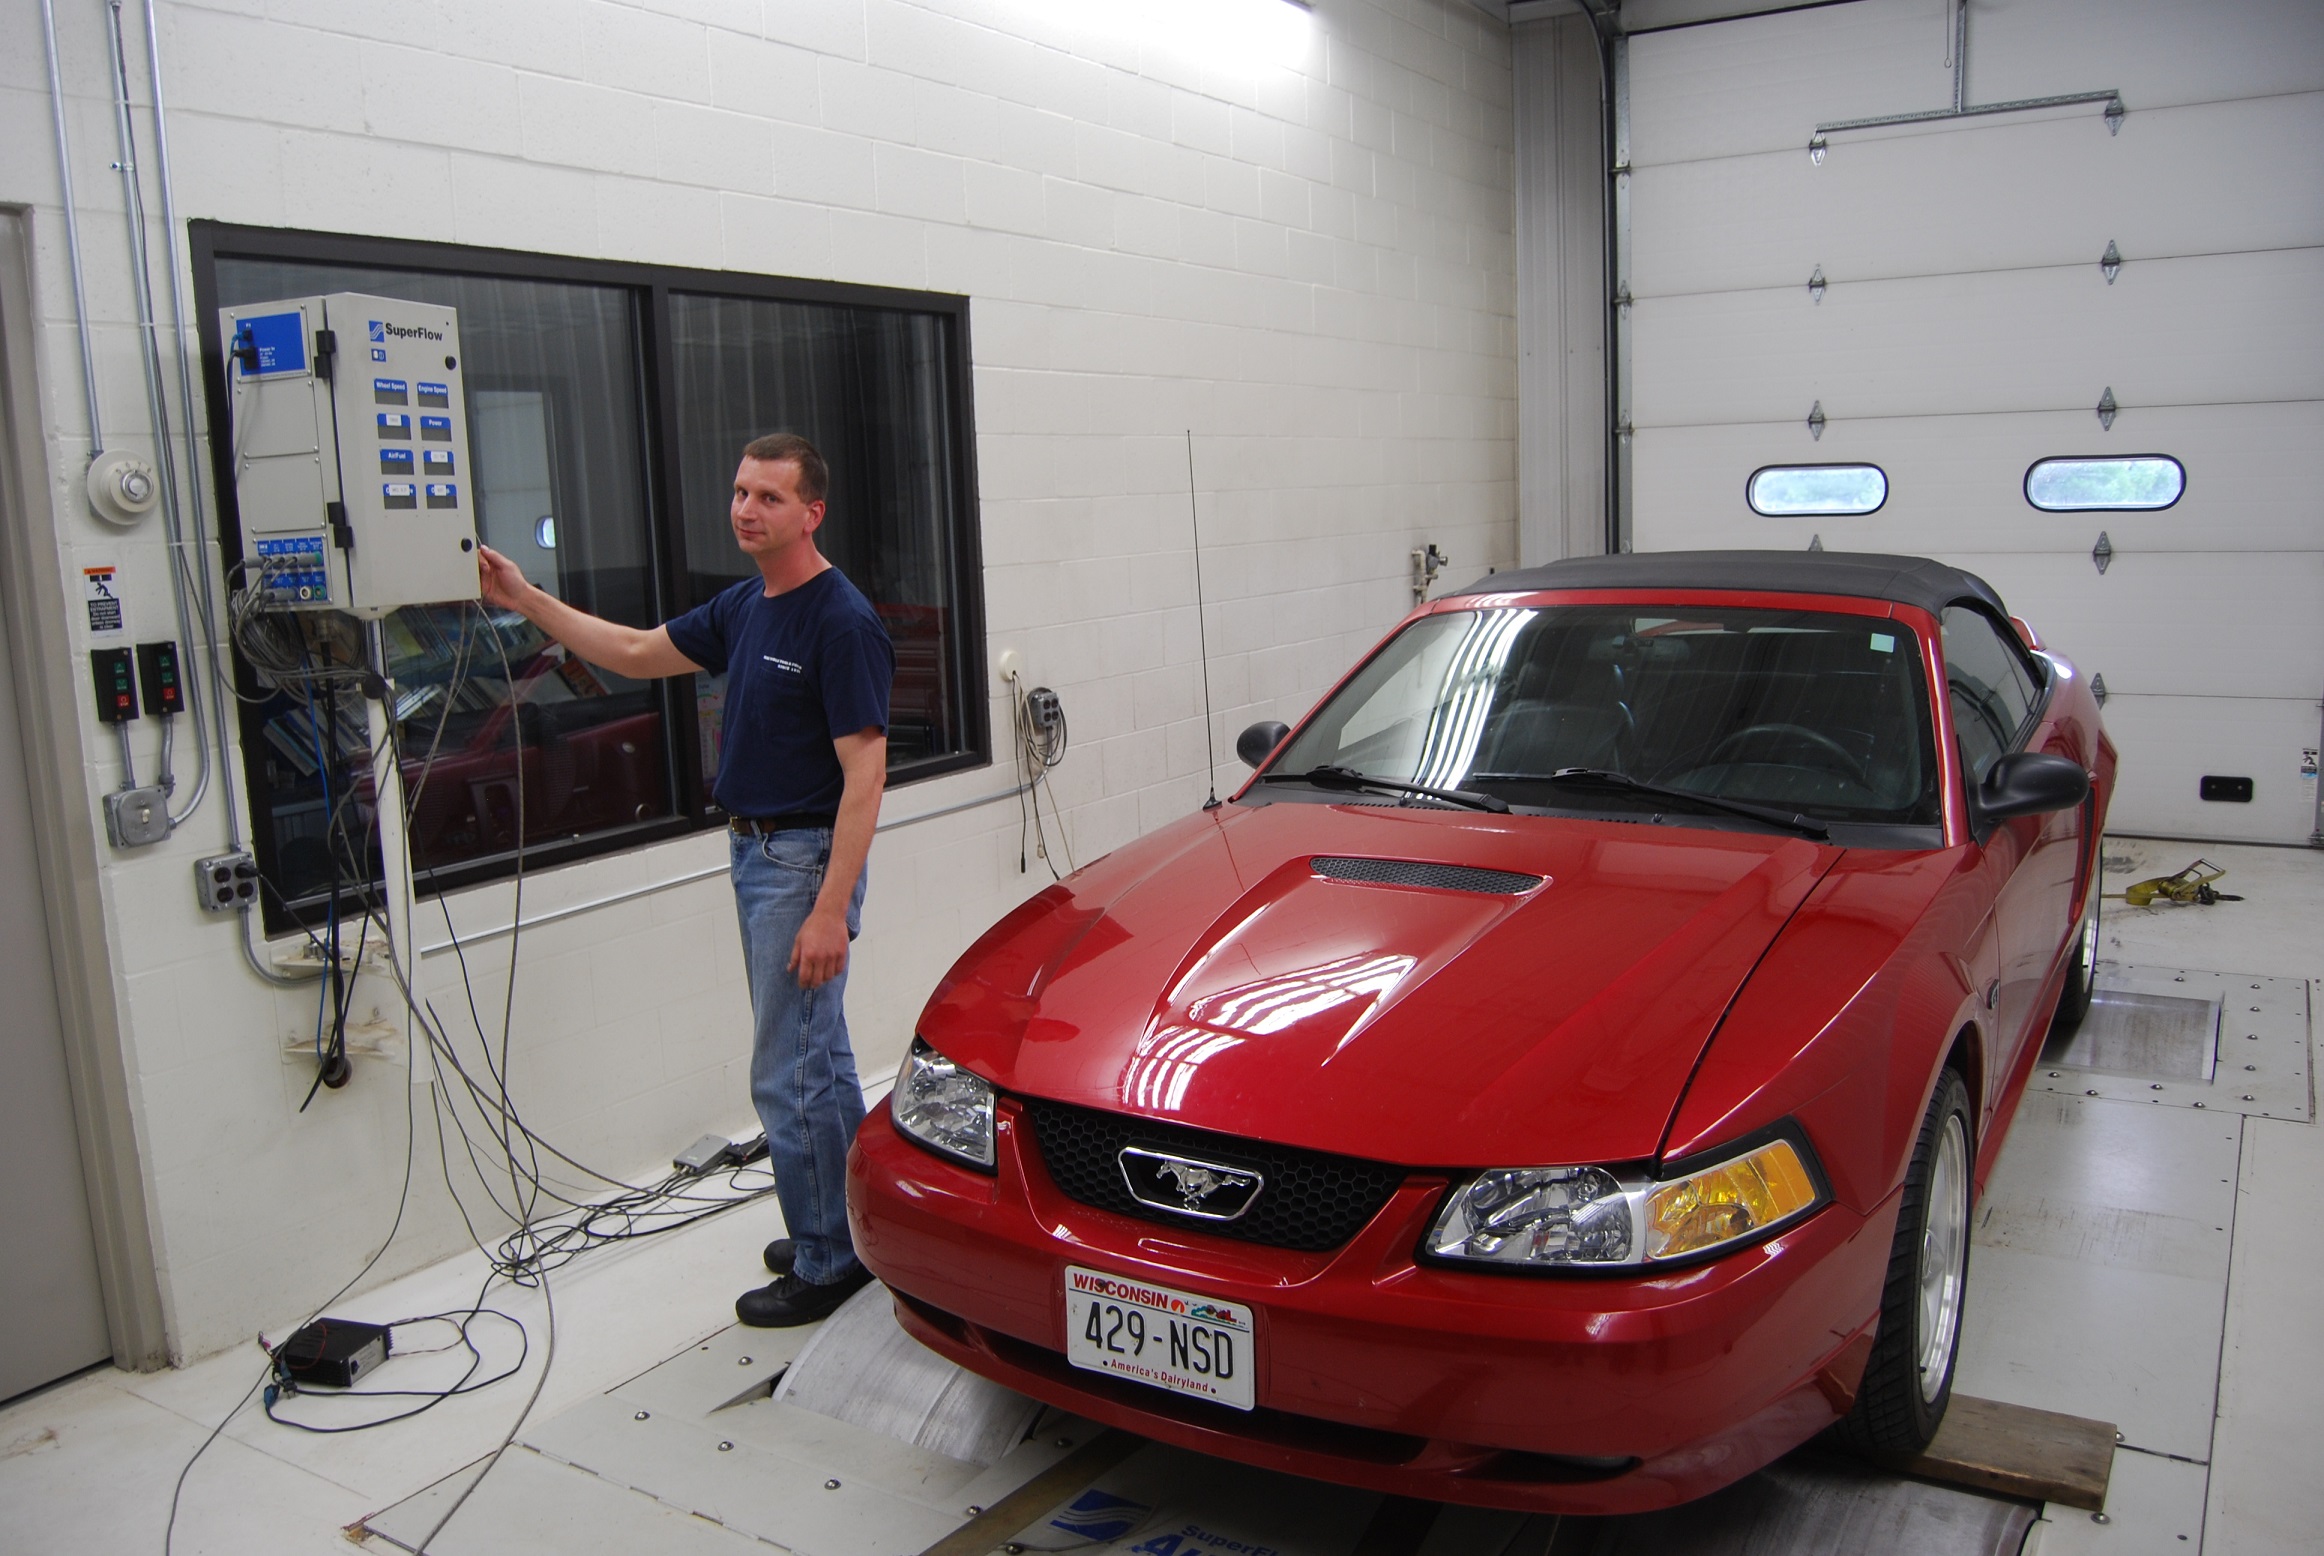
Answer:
[(2218, 1394)]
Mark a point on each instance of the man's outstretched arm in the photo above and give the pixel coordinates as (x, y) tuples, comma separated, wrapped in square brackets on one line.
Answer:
[(640, 653)]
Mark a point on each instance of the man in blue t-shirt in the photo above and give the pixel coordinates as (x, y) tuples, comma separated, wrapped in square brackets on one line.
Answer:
[(801, 767)]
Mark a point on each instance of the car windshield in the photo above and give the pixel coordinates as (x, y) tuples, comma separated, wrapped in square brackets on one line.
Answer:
[(1800, 712)]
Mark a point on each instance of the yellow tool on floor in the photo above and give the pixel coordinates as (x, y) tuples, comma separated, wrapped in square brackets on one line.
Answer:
[(2192, 885)]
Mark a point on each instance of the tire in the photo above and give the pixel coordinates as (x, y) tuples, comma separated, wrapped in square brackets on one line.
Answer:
[(2081, 972), (1908, 1381)]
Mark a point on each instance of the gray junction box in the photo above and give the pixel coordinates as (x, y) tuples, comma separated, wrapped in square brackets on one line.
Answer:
[(350, 450)]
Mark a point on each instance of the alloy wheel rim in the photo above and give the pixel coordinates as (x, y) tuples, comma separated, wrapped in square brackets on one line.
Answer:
[(1944, 1256)]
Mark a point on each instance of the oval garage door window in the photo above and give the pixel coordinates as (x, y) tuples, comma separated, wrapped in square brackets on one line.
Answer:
[(2131, 483), (1781, 491)]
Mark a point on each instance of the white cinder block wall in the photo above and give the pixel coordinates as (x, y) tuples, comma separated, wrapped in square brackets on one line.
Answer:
[(1290, 234)]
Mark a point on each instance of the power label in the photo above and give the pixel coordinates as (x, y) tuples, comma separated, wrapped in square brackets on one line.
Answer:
[(272, 343)]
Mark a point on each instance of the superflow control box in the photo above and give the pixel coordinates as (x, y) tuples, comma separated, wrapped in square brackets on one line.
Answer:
[(350, 450)]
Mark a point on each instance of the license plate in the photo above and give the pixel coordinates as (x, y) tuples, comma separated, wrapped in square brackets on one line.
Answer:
[(1173, 1340)]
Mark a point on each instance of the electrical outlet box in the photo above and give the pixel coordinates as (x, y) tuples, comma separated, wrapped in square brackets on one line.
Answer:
[(350, 435), (226, 882), (136, 817)]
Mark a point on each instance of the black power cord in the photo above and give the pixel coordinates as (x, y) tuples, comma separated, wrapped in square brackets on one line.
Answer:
[(1041, 739), (554, 1221)]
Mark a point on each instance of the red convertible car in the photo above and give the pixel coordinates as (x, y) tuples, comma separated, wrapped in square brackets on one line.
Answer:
[(1561, 1078)]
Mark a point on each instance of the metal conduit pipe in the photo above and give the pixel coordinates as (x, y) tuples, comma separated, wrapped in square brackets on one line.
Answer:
[(193, 570), (156, 396), (64, 168)]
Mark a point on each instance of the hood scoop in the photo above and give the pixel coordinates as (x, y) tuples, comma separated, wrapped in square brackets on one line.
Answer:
[(1420, 872)]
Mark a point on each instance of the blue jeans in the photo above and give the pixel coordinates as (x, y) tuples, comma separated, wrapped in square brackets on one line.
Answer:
[(802, 1071)]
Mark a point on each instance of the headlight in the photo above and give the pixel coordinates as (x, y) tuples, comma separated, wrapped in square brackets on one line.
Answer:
[(1585, 1217), (944, 1107)]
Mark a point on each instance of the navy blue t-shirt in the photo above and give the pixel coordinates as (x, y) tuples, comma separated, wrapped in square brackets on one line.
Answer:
[(802, 668)]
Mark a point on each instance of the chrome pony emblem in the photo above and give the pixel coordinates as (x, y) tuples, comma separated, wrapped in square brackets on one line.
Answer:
[(1184, 1186)]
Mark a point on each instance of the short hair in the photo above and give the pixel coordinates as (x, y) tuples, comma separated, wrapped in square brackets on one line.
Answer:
[(792, 449)]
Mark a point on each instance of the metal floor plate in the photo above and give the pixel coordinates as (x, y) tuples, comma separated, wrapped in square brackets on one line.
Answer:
[(1811, 1503), (2181, 1037)]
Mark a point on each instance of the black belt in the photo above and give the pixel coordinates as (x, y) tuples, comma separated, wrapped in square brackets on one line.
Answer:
[(760, 826)]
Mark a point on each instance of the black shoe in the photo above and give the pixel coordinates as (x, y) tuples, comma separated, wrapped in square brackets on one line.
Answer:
[(792, 1301), (780, 1254)]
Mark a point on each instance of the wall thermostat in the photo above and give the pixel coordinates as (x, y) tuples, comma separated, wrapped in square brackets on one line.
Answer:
[(122, 487)]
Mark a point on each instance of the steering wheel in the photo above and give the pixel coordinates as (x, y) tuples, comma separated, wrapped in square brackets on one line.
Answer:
[(1841, 760)]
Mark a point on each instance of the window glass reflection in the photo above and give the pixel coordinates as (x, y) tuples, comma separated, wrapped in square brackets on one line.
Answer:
[(2138, 483), (872, 389), (1779, 491)]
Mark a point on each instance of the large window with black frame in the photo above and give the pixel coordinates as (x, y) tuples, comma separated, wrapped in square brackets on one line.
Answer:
[(607, 405)]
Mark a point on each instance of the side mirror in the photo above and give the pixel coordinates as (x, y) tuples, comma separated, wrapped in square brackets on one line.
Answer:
[(2031, 783), (1253, 744)]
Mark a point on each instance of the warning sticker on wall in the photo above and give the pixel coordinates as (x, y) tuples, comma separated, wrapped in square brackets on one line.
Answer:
[(100, 588)]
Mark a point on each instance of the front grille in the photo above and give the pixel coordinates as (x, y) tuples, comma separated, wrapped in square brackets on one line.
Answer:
[(1311, 1201), (1419, 872)]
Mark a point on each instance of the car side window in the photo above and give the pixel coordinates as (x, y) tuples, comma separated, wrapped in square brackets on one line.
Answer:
[(1991, 688)]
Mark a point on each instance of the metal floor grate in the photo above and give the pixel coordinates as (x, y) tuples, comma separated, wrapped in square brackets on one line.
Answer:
[(2183, 1037)]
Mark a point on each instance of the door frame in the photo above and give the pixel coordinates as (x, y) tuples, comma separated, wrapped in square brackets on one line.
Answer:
[(80, 953)]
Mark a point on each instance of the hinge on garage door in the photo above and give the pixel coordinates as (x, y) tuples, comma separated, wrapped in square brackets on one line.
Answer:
[(2103, 553), (2098, 689), (2110, 262), (2107, 409), (1816, 285), (1816, 421)]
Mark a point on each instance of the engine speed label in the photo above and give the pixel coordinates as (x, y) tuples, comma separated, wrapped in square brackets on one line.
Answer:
[(1175, 1340)]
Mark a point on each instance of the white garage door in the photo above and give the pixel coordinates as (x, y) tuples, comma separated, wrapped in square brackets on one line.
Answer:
[(1967, 329)]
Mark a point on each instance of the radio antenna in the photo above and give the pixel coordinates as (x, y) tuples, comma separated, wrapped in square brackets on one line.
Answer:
[(1201, 627)]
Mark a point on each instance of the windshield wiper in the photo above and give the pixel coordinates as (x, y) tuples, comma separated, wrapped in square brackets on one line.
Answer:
[(1328, 777), (1611, 780)]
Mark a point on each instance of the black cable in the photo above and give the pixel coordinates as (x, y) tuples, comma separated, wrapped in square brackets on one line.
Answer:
[(552, 1226), (284, 1386), (402, 1202)]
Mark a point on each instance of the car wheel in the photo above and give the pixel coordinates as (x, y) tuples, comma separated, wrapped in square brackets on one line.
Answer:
[(2081, 973), (1908, 1381)]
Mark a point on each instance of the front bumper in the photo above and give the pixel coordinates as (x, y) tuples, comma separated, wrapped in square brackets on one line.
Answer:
[(1588, 1393)]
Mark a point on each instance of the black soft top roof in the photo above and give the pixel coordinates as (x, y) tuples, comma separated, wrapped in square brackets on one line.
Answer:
[(1907, 580)]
